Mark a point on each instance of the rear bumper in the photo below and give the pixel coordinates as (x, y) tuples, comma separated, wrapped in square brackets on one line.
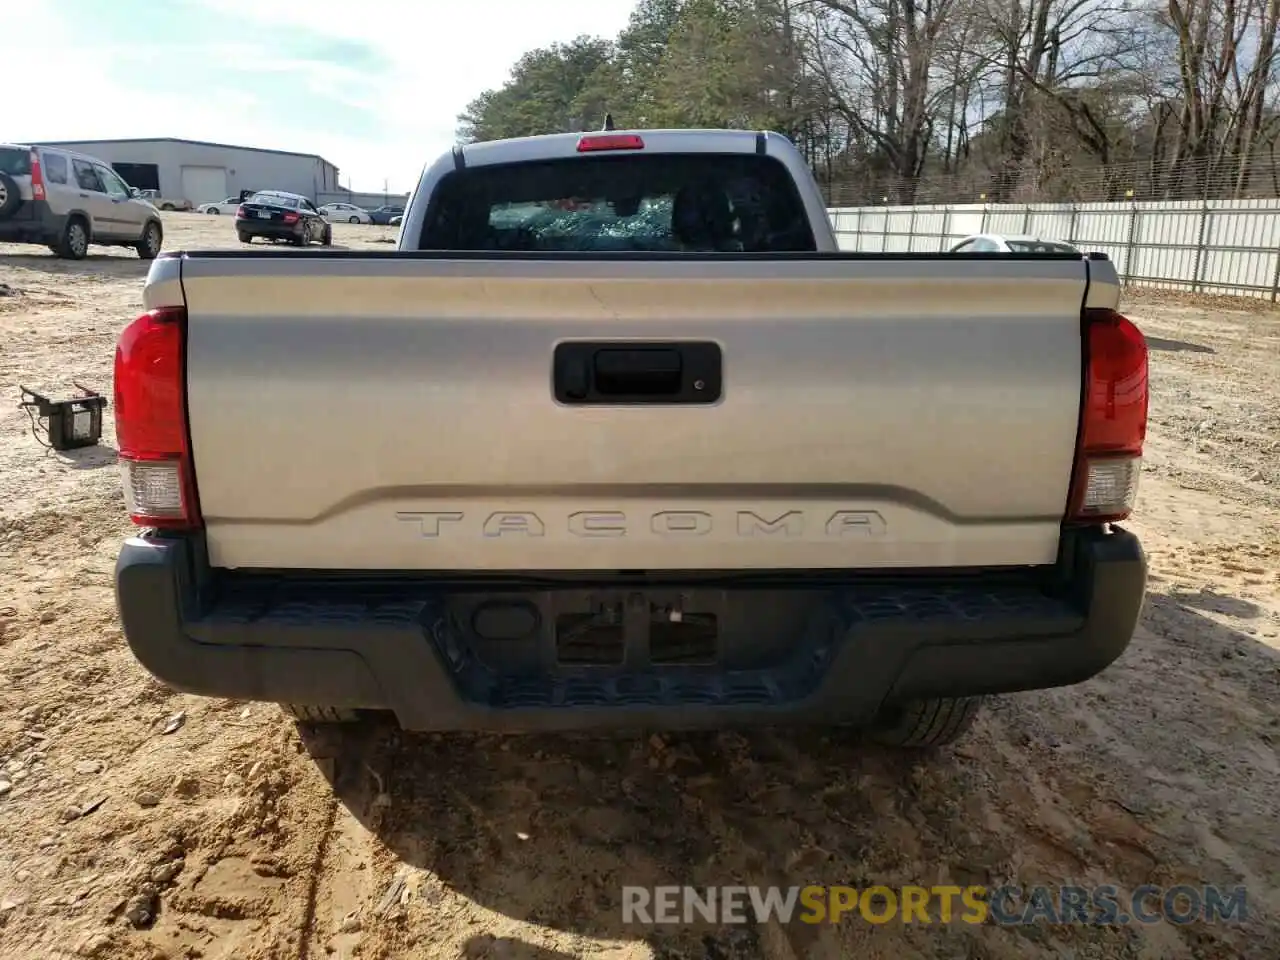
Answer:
[(263, 228), (413, 645), (33, 222)]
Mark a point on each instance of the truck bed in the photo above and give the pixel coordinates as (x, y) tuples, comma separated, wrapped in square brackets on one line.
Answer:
[(399, 411)]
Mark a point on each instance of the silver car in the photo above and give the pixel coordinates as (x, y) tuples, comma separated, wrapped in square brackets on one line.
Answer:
[(67, 201), (998, 243)]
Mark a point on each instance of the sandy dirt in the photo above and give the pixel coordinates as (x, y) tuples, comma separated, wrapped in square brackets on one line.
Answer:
[(139, 823)]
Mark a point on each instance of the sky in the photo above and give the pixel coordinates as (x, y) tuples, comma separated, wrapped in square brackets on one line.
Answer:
[(373, 86)]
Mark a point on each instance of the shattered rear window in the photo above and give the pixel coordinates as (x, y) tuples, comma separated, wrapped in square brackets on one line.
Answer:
[(663, 202)]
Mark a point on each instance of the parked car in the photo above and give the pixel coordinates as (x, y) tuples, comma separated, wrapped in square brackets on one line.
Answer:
[(771, 481), (282, 216), (164, 203), (220, 206), (385, 215), (345, 212), (396, 220), (67, 201), (997, 243)]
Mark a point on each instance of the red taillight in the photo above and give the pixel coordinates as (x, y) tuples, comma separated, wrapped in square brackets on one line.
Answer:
[(1113, 421), (290, 218), (241, 213), (608, 141), (151, 421), (37, 177)]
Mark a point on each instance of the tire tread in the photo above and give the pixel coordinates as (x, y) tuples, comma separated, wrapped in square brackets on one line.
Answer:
[(311, 714), (929, 723)]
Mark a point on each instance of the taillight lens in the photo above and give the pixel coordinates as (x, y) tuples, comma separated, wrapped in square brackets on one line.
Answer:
[(1113, 421), (290, 218), (37, 177), (151, 421), (240, 212)]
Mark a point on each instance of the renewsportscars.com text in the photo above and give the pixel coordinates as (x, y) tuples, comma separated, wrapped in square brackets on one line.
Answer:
[(1003, 906)]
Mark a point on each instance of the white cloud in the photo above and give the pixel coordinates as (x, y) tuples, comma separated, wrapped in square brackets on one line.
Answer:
[(436, 59)]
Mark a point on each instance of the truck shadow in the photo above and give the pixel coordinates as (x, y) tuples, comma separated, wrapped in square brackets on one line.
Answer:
[(550, 829), (1177, 346), (97, 264), (1211, 601)]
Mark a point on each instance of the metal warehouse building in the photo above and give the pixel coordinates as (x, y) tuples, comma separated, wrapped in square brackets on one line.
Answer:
[(205, 172)]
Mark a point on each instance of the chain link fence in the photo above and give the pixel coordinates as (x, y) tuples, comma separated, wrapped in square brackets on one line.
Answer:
[(1228, 247)]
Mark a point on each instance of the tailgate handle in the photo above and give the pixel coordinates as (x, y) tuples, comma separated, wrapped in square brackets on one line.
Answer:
[(610, 373), (642, 371)]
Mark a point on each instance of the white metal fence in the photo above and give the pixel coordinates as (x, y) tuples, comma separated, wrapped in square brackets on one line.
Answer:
[(369, 200), (1219, 246)]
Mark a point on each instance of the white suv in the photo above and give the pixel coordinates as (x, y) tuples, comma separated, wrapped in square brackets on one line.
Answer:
[(67, 201)]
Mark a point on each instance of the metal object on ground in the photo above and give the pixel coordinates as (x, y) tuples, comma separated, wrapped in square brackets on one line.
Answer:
[(69, 424)]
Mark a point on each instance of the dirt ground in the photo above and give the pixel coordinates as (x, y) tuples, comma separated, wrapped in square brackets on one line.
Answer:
[(139, 823)]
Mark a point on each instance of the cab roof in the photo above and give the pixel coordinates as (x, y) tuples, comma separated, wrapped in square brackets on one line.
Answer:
[(552, 146)]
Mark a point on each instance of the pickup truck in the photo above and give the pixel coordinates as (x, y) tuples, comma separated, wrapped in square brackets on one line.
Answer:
[(165, 203), (618, 437)]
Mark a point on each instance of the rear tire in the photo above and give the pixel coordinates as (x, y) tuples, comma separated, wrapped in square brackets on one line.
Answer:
[(245, 238), (327, 239), (926, 723), (10, 198), (213, 211), (74, 242), (307, 714)]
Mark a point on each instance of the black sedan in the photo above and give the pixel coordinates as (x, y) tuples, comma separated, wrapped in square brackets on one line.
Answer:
[(282, 216), (383, 215)]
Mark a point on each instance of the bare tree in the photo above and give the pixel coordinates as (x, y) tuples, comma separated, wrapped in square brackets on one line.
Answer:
[(1064, 78), (878, 61), (914, 100), (1221, 76)]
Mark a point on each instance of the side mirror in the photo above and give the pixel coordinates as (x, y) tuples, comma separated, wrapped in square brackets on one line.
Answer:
[(135, 192)]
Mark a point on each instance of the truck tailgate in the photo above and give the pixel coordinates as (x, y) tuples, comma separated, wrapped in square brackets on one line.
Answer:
[(397, 412)]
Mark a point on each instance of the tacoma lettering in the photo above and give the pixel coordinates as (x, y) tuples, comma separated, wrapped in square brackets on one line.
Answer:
[(601, 523), (680, 523), (664, 524), (857, 523), (520, 524), (428, 523), (790, 524)]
